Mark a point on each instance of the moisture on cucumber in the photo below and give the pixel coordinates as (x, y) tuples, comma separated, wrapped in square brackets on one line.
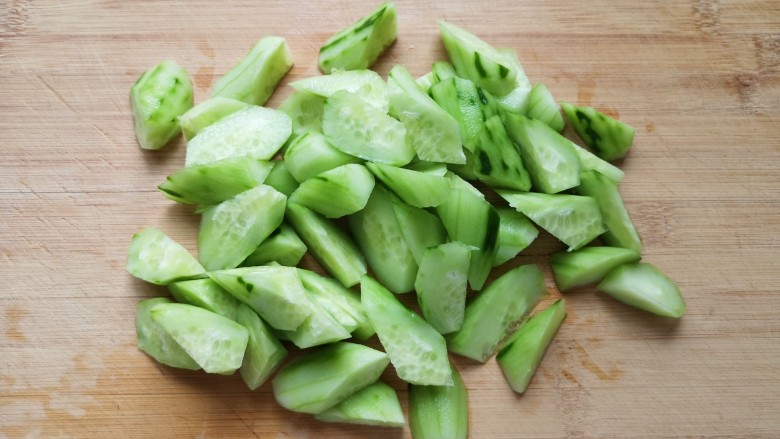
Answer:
[(158, 98), (207, 113), (338, 192), (152, 339), (643, 286), (439, 412), (588, 265), (264, 354), (207, 294), (610, 139), (376, 405), (156, 258), (283, 246)]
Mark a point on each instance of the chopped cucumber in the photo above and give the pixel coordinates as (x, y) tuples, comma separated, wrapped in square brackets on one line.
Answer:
[(327, 303), (155, 341), (207, 113), (460, 98), (426, 81), (431, 168), (620, 229), (376, 405), (439, 412), (417, 351), (610, 139), (643, 286), (318, 329), (158, 98), (542, 107), (311, 154), (516, 101), (497, 160), (215, 182), (338, 192), (264, 354), (515, 233), (421, 228), (254, 79), (305, 110), (415, 188), (588, 265), (442, 71), (323, 378), (441, 285), (490, 315), (284, 247), (523, 351), (346, 299), (365, 83), (281, 179), (156, 258), (590, 162), (206, 294), (466, 170)]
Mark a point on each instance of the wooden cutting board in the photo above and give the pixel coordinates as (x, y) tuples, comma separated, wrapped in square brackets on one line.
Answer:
[(699, 79)]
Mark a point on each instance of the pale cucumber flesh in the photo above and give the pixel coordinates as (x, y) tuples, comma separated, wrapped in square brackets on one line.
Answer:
[(439, 412), (376, 405), (588, 265), (264, 354), (152, 339), (156, 258)]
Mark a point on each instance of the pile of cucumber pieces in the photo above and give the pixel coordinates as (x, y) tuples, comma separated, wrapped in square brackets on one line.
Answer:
[(390, 176)]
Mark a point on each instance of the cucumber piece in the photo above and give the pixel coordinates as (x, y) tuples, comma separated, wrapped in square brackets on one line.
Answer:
[(363, 131), (516, 101), (421, 228), (365, 83), (345, 299), (323, 378), (549, 157), (441, 285), (215, 342), (156, 258), (459, 97), (470, 219), (492, 313), (588, 265), (215, 182), (466, 170), (329, 244), (442, 71), (311, 154), (379, 235), (264, 354), (590, 162), (254, 132), (207, 113), (542, 107), (158, 98), (610, 139), (206, 294), (426, 81), (524, 350), (432, 132), (343, 318), (439, 412), (478, 61), (305, 110), (620, 229), (281, 179), (431, 168), (497, 160), (376, 405), (338, 192), (254, 79), (359, 46), (274, 293), (573, 219), (155, 342), (515, 233), (417, 189), (318, 329), (643, 286), (284, 247), (232, 230), (417, 351)]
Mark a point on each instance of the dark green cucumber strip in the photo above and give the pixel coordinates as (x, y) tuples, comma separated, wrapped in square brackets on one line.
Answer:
[(329, 244), (215, 182), (542, 107), (620, 229), (338, 192), (158, 98), (281, 179), (156, 258), (376, 405), (155, 341), (515, 233), (417, 189), (323, 378), (442, 70), (497, 160), (610, 139), (365, 83), (523, 351), (588, 265), (421, 228), (439, 412), (305, 110), (460, 98), (590, 162), (284, 247), (264, 354), (381, 239), (493, 312), (311, 154), (207, 294), (643, 286), (344, 302), (441, 285), (207, 113)]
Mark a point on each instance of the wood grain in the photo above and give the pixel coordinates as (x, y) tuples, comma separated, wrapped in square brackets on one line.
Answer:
[(700, 80)]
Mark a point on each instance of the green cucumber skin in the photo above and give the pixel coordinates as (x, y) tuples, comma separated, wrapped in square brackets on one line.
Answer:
[(416, 189), (462, 100), (207, 294), (421, 228), (305, 111), (158, 98), (441, 285), (284, 247), (620, 229), (154, 341), (361, 44), (439, 412), (542, 107), (207, 113), (375, 405), (281, 179), (347, 300), (643, 286), (336, 193), (497, 160), (442, 71), (609, 138), (311, 154), (515, 233), (264, 354), (215, 182), (588, 265), (158, 259)]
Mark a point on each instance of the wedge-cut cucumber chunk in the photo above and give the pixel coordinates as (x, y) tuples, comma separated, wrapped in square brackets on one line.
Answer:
[(254, 79), (346, 299), (327, 303), (364, 131), (207, 113), (215, 342), (305, 110), (439, 412), (470, 219), (284, 247), (365, 83), (254, 132), (643, 286), (431, 168), (590, 162), (417, 351), (379, 235), (524, 350), (158, 98), (329, 244), (573, 219), (515, 233), (542, 107), (442, 71), (610, 139), (497, 160), (323, 378), (264, 353), (311, 154), (155, 341), (549, 157), (215, 182), (338, 192), (620, 229), (421, 228), (417, 189), (156, 258), (232, 230), (459, 97), (490, 315), (359, 46), (273, 292), (516, 101), (206, 294), (281, 179), (376, 405), (432, 132), (426, 81), (318, 329), (441, 285), (478, 61), (588, 265)]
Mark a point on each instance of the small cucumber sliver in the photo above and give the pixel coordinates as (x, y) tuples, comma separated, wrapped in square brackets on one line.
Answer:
[(346, 299), (439, 412), (421, 228), (284, 247), (155, 341), (376, 405), (643, 286), (515, 233), (542, 107), (156, 258), (263, 353), (620, 229), (588, 265)]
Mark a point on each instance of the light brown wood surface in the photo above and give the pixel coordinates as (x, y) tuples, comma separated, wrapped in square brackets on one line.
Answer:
[(700, 80)]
